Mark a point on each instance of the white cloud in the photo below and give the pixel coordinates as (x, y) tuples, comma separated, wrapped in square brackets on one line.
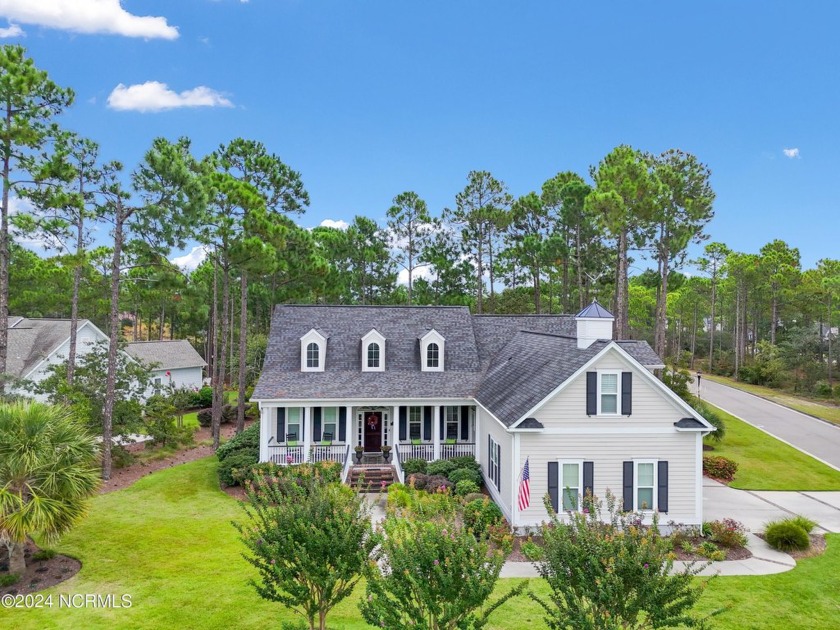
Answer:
[(154, 96), (339, 225), (189, 262), (419, 272), (87, 16), (13, 30), (791, 153)]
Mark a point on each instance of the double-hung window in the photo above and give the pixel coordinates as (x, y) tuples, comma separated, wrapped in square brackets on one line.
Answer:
[(608, 393), (571, 485), (453, 421), (494, 469), (415, 423), (293, 424), (644, 491), (373, 355), (313, 356), (330, 422)]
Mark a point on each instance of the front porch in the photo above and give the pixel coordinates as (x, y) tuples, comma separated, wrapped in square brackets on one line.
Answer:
[(296, 434)]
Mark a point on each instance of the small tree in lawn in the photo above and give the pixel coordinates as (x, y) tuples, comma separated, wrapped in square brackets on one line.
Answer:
[(435, 576), (613, 574), (310, 542)]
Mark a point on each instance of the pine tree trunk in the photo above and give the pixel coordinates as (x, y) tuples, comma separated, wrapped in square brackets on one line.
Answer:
[(221, 366), (621, 305), (113, 342), (74, 300), (479, 303), (712, 327), (660, 339), (4, 257), (243, 351), (774, 310)]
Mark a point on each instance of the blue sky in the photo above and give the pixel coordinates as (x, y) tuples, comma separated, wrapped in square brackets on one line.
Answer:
[(368, 99)]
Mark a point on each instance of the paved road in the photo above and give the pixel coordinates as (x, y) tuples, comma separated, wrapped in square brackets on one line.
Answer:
[(815, 437)]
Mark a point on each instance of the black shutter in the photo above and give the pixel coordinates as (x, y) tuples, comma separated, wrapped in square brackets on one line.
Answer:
[(626, 393), (427, 423), (498, 466), (342, 424), (489, 457), (591, 393), (553, 485), (662, 482), (588, 479), (628, 486), (442, 428), (465, 423), (281, 425), (403, 424), (316, 425)]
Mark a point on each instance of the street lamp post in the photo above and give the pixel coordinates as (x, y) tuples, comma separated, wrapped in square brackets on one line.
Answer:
[(699, 373)]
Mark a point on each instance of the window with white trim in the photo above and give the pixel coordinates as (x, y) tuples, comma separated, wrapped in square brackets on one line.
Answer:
[(330, 423), (293, 425), (644, 485), (453, 422), (313, 351), (609, 393), (373, 355), (493, 467), (373, 352), (313, 356), (570, 484), (415, 423), (432, 353)]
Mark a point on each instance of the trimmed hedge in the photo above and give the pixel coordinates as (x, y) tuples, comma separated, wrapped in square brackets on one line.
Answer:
[(249, 438), (466, 487), (441, 467), (465, 474), (414, 465), (237, 466), (720, 468)]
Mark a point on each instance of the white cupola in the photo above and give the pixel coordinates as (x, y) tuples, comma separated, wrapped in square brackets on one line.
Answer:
[(593, 323)]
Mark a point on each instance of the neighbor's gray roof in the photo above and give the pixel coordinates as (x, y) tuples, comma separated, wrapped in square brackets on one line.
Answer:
[(595, 310), (167, 355), (689, 423), (33, 340), (507, 362)]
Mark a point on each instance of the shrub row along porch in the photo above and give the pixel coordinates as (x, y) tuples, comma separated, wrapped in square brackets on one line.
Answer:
[(294, 434)]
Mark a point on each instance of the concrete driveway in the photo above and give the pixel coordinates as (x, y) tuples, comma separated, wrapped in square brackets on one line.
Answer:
[(815, 437), (755, 507)]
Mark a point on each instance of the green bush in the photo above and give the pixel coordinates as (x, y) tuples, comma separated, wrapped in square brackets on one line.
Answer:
[(465, 474), (9, 579), (203, 397), (441, 467), (728, 532), (823, 388), (417, 481), (531, 550), (414, 465), (466, 487), (804, 522), (205, 416), (480, 515), (720, 468), (438, 483), (466, 461), (473, 496), (712, 416), (322, 472), (249, 438), (44, 554), (786, 535), (237, 467)]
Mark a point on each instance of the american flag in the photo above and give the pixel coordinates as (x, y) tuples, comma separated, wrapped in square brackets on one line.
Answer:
[(525, 487)]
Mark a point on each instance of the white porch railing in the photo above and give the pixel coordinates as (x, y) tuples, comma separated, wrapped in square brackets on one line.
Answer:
[(427, 451), (330, 453), (285, 455)]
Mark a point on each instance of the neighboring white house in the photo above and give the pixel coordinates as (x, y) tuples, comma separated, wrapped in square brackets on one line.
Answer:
[(585, 411), (36, 344), (175, 363)]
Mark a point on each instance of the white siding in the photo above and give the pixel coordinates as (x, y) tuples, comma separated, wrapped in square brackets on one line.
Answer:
[(608, 452), (489, 425), (181, 377)]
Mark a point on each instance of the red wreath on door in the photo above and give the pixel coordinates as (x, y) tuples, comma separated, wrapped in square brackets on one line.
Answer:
[(373, 422)]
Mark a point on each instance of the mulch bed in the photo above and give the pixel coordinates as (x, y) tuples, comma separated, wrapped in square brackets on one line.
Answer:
[(39, 574), (817, 547)]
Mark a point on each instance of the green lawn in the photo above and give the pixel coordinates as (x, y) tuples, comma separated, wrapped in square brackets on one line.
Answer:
[(821, 409), (191, 419), (167, 541), (765, 463)]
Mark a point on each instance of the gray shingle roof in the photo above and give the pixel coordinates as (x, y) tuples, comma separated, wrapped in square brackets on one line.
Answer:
[(33, 340), (690, 423), (507, 362), (167, 355)]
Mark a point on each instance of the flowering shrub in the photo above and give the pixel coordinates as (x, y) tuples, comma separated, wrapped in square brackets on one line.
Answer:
[(481, 515), (728, 532), (434, 576), (720, 468), (322, 472), (613, 574)]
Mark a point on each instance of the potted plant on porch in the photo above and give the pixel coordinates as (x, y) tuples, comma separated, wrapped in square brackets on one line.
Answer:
[(359, 452), (386, 453)]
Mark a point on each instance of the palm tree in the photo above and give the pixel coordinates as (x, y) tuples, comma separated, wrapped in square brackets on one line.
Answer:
[(49, 467)]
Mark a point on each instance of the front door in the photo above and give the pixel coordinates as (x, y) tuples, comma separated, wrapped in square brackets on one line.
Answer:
[(373, 431)]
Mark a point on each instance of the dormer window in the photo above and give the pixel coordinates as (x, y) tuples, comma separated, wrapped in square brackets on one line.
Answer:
[(313, 352), (432, 351), (373, 352)]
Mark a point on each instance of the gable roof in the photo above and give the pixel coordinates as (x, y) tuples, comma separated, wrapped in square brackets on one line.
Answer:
[(33, 340), (167, 355)]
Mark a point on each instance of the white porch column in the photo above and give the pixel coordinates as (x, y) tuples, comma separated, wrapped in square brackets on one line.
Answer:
[(476, 433), (395, 429), (349, 431), (307, 432), (436, 418), (265, 430)]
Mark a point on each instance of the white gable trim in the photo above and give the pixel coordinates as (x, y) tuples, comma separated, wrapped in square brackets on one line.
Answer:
[(46, 359), (313, 336), (430, 337), (644, 372), (374, 336)]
